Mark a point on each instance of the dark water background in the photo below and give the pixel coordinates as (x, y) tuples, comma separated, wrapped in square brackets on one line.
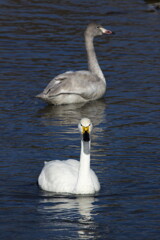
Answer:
[(39, 39)]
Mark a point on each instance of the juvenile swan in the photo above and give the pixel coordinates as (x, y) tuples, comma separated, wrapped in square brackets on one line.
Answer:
[(72, 176), (80, 86)]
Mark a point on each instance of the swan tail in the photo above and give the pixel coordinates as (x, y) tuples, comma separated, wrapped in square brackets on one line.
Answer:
[(41, 95)]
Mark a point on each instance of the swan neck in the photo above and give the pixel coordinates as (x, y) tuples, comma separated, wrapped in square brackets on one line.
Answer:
[(85, 151), (93, 64), (84, 167)]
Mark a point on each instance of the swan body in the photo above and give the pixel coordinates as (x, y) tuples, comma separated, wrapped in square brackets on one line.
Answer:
[(72, 176), (79, 86)]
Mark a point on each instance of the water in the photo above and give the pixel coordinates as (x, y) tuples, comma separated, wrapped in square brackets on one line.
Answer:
[(39, 40)]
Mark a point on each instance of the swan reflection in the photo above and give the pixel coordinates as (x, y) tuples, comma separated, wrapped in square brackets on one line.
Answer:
[(64, 211), (82, 205), (59, 212), (70, 114)]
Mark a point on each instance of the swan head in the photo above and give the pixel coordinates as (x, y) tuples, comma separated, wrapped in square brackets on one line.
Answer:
[(94, 29), (85, 128)]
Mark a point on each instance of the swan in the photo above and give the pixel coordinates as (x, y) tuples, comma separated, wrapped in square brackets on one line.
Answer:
[(72, 176), (79, 86)]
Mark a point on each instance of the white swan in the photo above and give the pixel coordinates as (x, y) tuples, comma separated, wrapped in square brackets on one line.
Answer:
[(72, 176), (80, 86)]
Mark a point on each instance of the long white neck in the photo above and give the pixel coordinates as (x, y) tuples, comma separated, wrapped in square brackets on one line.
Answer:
[(84, 182), (93, 64)]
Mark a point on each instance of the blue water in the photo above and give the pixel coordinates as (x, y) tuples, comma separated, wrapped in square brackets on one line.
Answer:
[(39, 40)]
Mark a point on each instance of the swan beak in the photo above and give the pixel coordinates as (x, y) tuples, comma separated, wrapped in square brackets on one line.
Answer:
[(85, 129), (86, 135), (105, 31)]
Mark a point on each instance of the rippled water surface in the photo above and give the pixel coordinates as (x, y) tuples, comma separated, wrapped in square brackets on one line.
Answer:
[(40, 39)]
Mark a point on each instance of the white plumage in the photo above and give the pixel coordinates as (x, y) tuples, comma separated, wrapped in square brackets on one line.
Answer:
[(72, 176)]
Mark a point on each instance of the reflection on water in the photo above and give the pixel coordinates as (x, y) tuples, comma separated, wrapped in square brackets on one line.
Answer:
[(70, 211), (84, 205), (71, 114)]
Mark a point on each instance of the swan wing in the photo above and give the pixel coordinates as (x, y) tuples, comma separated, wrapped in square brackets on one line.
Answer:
[(95, 181), (82, 83), (59, 176)]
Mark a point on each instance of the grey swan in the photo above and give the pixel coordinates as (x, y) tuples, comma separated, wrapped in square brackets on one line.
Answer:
[(79, 86)]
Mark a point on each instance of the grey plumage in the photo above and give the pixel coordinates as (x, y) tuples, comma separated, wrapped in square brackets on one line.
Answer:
[(79, 86)]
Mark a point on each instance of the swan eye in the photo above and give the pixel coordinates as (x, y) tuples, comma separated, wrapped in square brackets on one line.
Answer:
[(98, 27)]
